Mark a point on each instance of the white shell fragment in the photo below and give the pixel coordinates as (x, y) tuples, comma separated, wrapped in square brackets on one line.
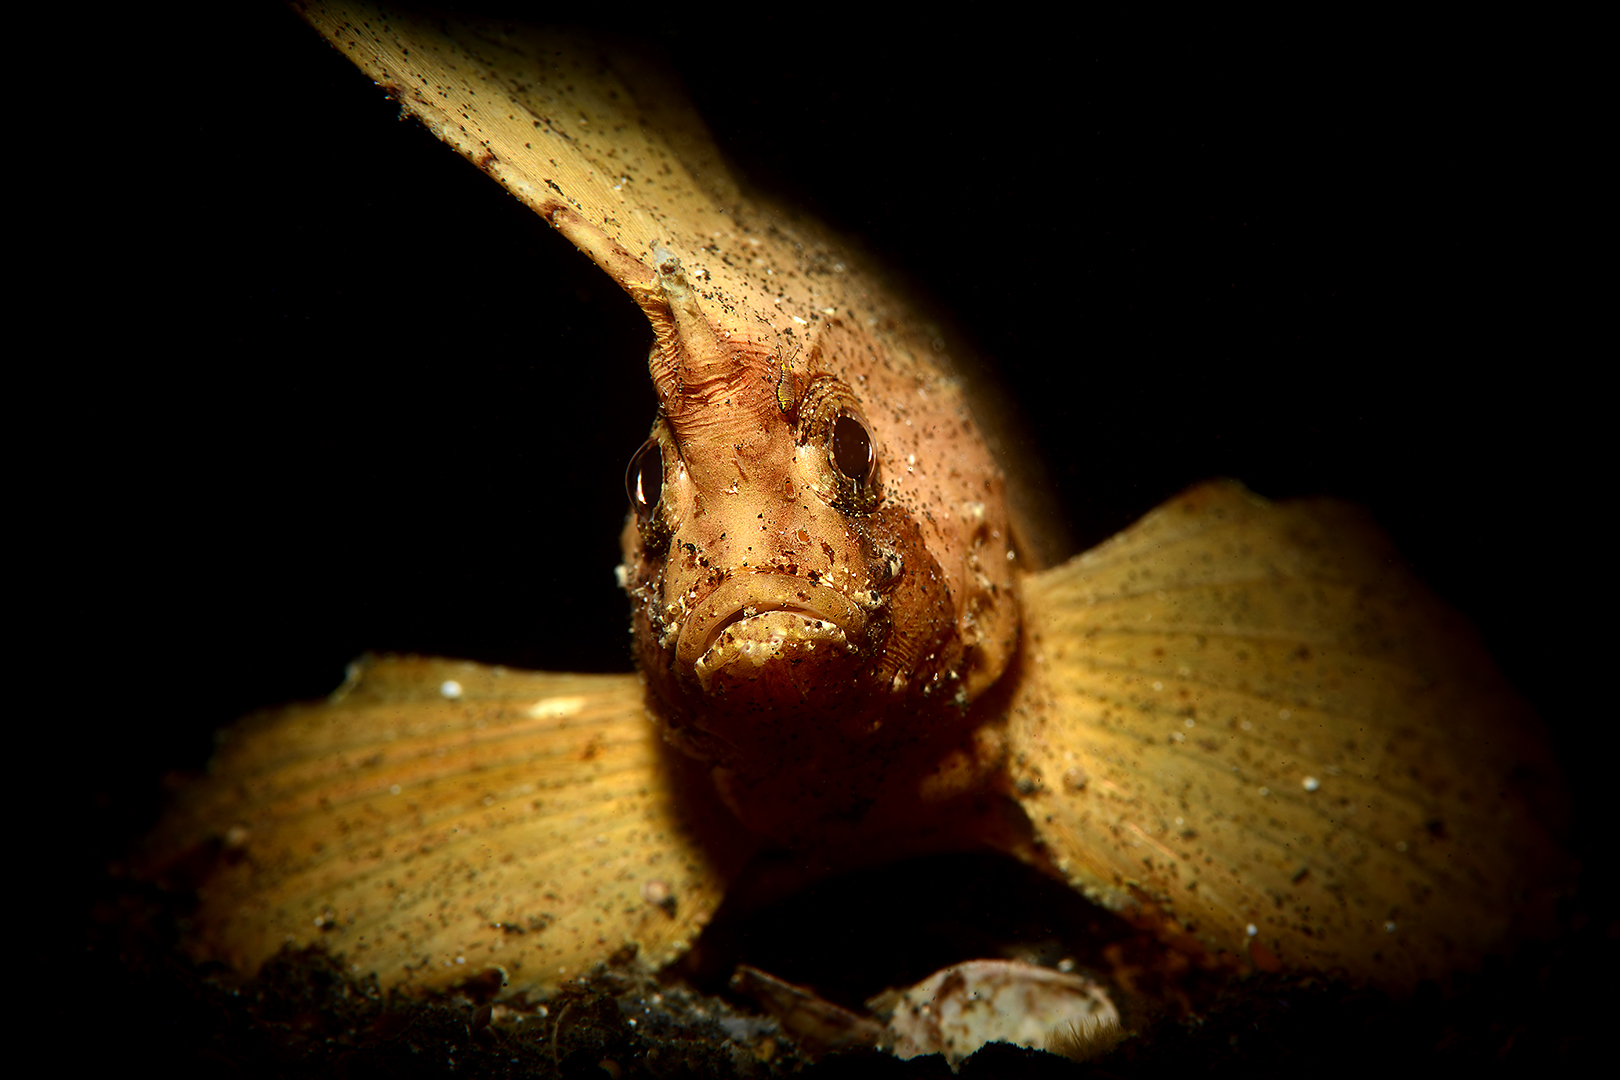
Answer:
[(957, 1010)]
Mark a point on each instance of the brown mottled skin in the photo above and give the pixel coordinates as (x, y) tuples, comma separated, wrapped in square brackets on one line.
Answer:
[(848, 627)]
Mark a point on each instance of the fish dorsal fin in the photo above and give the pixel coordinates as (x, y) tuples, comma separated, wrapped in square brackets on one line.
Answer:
[(1238, 715), (439, 820), (597, 139)]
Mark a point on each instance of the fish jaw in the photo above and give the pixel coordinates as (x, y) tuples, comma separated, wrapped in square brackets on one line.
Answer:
[(758, 627), (751, 652)]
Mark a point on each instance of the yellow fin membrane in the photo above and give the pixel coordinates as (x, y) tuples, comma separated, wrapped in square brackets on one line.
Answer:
[(439, 820), (1250, 722)]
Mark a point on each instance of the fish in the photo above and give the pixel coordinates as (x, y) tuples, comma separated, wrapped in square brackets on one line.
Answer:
[(919, 688)]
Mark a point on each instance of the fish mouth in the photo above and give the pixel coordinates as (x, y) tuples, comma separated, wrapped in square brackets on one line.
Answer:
[(767, 603)]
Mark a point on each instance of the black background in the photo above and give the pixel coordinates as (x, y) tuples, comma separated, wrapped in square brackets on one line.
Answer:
[(315, 386)]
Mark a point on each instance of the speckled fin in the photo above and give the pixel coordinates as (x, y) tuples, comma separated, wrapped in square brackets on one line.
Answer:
[(595, 138), (530, 823), (1245, 715), (608, 151)]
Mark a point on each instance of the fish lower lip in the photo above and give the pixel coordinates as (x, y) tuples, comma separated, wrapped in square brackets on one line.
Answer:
[(769, 645), (745, 596), (752, 611)]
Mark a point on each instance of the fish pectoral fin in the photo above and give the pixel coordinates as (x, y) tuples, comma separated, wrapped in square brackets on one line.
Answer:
[(1252, 719), (437, 819)]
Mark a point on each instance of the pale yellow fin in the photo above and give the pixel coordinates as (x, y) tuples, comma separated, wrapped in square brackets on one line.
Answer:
[(437, 819), (609, 151), (1243, 715), (593, 136)]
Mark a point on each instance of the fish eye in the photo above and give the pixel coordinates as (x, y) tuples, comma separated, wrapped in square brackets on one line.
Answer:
[(852, 449), (644, 479)]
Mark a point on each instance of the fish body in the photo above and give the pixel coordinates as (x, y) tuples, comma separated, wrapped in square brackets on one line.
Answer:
[(1233, 723)]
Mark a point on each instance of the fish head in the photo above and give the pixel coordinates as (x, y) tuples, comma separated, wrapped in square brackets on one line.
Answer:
[(818, 550)]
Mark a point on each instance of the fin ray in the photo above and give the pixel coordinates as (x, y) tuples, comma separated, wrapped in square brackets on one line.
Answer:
[(1236, 714), (533, 823)]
